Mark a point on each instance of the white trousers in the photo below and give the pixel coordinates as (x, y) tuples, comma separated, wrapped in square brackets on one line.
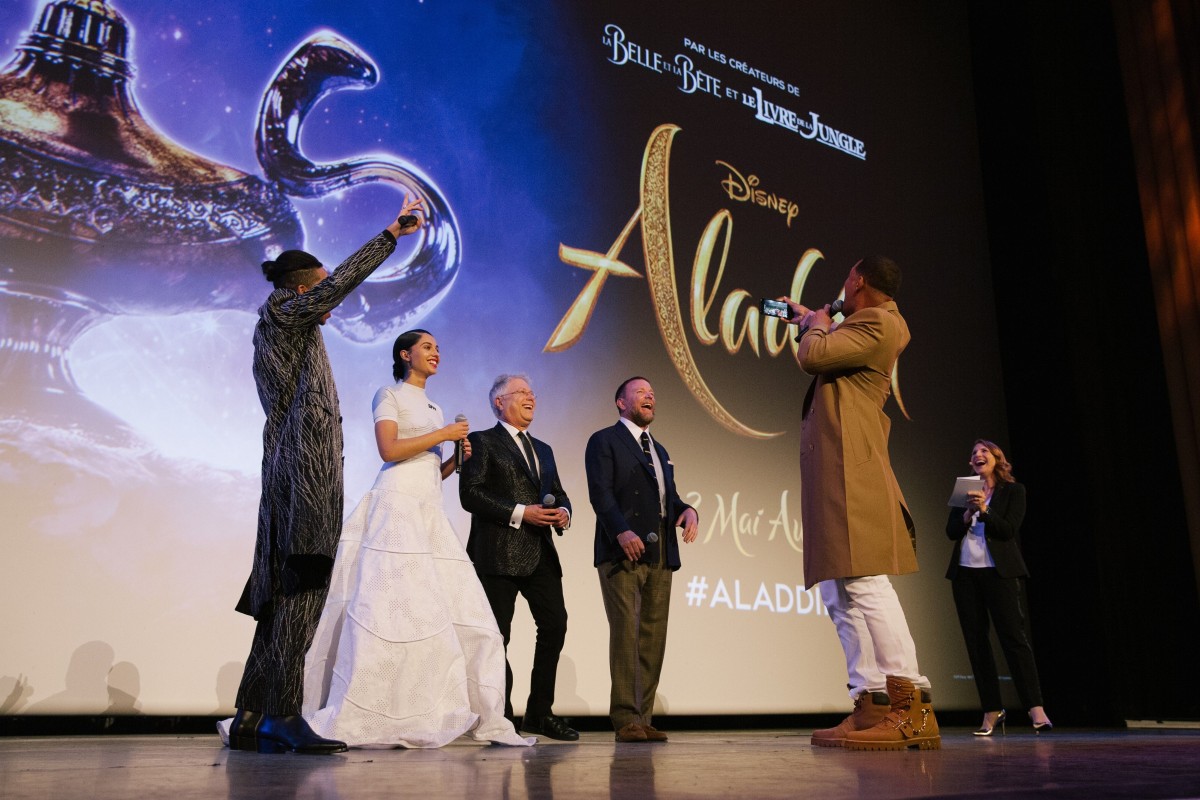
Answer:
[(874, 633)]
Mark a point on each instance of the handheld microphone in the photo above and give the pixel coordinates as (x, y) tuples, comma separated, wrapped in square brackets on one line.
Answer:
[(549, 501), (651, 545), (651, 538), (404, 220), (459, 447), (834, 308)]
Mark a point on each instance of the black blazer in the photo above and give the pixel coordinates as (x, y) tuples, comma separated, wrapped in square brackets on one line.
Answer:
[(624, 493), (493, 481), (1001, 528)]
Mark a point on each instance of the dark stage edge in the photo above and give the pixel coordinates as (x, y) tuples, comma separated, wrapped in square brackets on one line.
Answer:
[(737, 764)]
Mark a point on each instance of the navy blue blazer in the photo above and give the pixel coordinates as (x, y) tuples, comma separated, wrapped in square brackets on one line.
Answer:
[(624, 493), (1001, 528), (493, 481)]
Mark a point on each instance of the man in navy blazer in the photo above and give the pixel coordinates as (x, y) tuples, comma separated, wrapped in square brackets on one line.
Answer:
[(631, 484), (511, 544)]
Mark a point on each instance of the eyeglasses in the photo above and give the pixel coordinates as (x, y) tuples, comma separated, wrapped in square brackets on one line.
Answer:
[(522, 392)]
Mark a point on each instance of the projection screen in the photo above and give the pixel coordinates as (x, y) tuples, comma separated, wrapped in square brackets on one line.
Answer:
[(620, 183)]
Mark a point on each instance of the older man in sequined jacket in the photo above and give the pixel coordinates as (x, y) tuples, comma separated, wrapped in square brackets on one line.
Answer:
[(511, 487)]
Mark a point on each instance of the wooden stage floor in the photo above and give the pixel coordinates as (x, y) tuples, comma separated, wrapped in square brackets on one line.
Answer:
[(1091, 764)]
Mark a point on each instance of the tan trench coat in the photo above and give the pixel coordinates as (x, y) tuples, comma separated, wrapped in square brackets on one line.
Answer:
[(855, 519)]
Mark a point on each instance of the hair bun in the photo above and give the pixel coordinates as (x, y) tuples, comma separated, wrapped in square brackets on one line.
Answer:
[(289, 261)]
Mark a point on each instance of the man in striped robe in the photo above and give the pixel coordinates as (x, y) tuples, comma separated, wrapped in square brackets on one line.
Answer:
[(300, 513)]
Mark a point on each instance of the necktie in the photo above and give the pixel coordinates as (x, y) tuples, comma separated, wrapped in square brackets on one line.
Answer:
[(525, 443), (645, 440)]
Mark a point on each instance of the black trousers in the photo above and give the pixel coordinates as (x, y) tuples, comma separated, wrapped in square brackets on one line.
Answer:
[(981, 595), (273, 681), (543, 592)]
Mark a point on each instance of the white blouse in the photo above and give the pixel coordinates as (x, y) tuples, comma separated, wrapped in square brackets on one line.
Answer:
[(974, 546)]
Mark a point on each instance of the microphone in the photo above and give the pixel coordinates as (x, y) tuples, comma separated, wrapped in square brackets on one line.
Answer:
[(651, 545), (549, 501), (404, 220), (650, 538), (834, 308), (459, 447)]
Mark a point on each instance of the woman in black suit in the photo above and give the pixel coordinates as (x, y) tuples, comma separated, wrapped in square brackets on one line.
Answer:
[(987, 573)]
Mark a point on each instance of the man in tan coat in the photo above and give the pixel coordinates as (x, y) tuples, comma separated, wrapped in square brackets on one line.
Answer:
[(857, 529)]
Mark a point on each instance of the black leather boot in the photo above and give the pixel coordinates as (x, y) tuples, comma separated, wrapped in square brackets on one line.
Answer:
[(277, 734), (243, 732)]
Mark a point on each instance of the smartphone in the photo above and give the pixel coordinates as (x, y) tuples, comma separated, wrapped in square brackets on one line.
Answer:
[(775, 308)]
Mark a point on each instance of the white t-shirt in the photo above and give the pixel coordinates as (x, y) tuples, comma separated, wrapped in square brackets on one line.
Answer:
[(414, 414)]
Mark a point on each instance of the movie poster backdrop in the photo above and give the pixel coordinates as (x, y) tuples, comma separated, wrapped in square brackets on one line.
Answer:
[(613, 186)]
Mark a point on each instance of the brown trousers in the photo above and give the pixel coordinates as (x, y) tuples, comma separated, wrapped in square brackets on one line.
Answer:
[(637, 599)]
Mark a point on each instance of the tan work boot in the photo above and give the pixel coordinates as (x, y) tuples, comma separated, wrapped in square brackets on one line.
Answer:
[(909, 723), (869, 709)]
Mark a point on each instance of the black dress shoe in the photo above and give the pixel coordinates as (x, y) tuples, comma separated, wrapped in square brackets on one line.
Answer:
[(549, 726), (243, 731), (277, 734)]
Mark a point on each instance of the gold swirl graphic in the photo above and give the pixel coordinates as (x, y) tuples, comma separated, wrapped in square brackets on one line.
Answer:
[(660, 275), (576, 320), (702, 302)]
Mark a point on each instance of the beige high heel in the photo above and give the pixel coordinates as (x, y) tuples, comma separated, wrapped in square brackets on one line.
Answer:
[(988, 730)]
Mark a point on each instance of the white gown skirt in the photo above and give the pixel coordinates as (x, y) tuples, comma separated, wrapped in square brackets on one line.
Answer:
[(407, 652)]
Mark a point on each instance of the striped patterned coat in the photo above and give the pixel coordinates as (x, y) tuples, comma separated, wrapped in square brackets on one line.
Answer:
[(300, 512)]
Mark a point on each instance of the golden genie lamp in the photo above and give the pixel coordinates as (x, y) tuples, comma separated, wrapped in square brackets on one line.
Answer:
[(102, 214)]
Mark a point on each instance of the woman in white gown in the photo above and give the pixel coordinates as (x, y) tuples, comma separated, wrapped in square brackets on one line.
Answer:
[(407, 652)]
